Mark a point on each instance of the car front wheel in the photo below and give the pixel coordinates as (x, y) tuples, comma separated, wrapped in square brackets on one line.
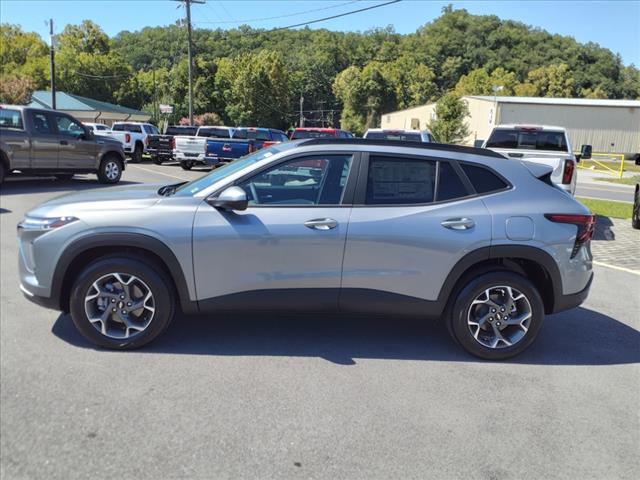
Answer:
[(110, 170), (121, 303), (497, 315), (635, 218)]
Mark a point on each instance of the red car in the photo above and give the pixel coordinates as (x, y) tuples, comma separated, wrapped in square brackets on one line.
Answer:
[(313, 132)]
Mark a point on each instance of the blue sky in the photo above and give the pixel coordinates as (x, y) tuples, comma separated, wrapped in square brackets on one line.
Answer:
[(612, 24)]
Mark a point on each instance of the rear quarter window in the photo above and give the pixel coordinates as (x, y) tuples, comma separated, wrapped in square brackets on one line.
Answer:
[(450, 185), (483, 179)]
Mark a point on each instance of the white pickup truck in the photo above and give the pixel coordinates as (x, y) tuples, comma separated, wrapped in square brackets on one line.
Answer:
[(102, 130), (541, 144), (192, 150), (139, 137)]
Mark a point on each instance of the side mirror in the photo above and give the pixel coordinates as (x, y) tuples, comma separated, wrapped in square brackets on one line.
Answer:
[(585, 152), (233, 198)]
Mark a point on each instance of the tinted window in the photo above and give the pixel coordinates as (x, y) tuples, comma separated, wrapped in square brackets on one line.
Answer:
[(407, 137), (482, 179), (400, 181), (311, 134), (41, 123), (119, 127), (135, 128), (527, 139), (10, 118), (282, 137), (174, 130), (214, 132), (68, 126), (241, 134), (314, 180), (450, 185)]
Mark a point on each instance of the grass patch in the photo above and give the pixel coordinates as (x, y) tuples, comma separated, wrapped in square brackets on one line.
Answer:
[(629, 165), (622, 181), (607, 208)]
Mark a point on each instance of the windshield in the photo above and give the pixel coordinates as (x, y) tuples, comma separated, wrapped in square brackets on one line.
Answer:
[(528, 140), (311, 134), (404, 136), (195, 186)]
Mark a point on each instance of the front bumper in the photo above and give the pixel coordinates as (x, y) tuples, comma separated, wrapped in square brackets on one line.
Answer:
[(46, 302)]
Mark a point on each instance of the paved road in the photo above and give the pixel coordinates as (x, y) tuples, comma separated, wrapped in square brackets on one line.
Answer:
[(606, 191), (313, 397)]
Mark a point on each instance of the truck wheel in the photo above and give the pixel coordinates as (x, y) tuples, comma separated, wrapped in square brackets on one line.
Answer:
[(156, 159), (186, 164), (136, 156), (2, 172), (120, 302), (110, 170), (496, 315)]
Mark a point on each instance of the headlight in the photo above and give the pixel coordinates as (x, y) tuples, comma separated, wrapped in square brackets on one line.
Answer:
[(34, 223)]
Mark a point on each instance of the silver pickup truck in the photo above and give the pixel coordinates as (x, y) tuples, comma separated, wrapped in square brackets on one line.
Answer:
[(38, 141), (541, 144)]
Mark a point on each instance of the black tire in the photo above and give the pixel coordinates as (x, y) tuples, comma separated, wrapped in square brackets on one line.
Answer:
[(186, 164), (63, 176), (154, 278), (2, 171), (156, 159), (110, 170), (136, 156), (635, 216), (462, 331)]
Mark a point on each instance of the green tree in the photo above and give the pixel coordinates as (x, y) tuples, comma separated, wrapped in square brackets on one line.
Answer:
[(16, 89), (449, 126), (23, 54), (87, 37), (552, 81), (348, 89)]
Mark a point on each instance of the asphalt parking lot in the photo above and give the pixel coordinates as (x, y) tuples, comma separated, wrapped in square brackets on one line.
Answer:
[(313, 396)]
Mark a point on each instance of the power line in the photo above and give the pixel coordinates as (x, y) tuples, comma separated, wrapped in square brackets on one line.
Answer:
[(295, 14)]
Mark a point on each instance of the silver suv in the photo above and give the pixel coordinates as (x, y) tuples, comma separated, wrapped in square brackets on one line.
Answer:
[(488, 244)]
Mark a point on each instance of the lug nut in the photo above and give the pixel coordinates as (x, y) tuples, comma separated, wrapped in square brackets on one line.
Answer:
[(124, 312), (498, 323), (121, 297), (493, 310), (114, 310), (128, 304), (491, 319), (113, 300), (502, 309)]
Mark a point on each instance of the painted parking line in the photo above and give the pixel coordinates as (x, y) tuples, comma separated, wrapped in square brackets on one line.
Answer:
[(158, 173), (615, 267)]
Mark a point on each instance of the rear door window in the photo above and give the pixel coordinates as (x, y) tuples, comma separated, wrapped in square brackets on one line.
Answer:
[(526, 139), (10, 118), (400, 181), (41, 123)]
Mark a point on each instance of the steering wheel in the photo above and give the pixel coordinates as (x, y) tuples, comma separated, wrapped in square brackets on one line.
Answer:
[(254, 193)]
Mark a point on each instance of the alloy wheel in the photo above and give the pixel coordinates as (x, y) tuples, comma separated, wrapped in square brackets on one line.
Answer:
[(112, 170), (499, 317), (119, 305)]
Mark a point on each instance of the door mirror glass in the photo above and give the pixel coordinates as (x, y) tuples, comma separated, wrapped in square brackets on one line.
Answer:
[(233, 198), (585, 152)]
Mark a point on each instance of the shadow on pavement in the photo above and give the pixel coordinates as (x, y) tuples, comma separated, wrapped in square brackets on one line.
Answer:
[(577, 337), (18, 186), (603, 229), (4, 210)]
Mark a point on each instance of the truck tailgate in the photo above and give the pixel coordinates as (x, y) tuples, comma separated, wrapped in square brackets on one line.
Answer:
[(190, 146), (227, 148)]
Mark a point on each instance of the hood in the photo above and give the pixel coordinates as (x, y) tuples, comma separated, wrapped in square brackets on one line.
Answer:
[(107, 140), (115, 198)]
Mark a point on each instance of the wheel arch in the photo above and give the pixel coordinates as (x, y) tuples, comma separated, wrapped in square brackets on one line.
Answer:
[(530, 262), (82, 251)]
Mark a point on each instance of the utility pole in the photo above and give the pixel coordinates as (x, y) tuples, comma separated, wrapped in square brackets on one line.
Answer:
[(301, 112), (187, 4), (53, 65)]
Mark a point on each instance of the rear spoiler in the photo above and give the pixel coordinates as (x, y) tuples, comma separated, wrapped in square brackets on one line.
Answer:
[(537, 170)]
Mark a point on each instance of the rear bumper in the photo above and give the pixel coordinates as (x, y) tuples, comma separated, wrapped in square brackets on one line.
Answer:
[(565, 302)]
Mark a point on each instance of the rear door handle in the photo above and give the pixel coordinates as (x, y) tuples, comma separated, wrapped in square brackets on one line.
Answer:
[(458, 223), (321, 223)]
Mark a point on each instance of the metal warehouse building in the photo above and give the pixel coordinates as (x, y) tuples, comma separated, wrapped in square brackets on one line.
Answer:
[(610, 126)]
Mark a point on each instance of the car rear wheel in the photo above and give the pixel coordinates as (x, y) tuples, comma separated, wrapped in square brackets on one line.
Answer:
[(635, 217), (110, 170), (186, 164), (136, 156), (497, 315), (2, 172), (121, 303)]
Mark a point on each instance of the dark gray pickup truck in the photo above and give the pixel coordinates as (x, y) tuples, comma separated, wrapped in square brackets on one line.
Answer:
[(38, 141)]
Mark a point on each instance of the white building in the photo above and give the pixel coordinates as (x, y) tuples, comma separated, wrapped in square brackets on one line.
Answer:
[(610, 126)]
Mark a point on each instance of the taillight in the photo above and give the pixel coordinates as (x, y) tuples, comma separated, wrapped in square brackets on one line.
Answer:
[(252, 148), (585, 224), (173, 143), (567, 175), (127, 137)]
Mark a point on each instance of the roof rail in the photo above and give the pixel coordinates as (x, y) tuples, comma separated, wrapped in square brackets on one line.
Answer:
[(400, 143)]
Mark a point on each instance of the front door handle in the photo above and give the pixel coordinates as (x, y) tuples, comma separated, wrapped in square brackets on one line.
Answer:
[(64, 142), (321, 223), (458, 223)]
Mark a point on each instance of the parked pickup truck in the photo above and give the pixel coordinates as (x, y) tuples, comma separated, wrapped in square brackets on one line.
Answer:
[(541, 144), (262, 137), (161, 146), (54, 143), (244, 141), (139, 133), (314, 132), (191, 150), (100, 129)]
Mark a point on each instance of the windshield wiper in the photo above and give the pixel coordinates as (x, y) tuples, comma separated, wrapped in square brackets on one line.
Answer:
[(169, 190)]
